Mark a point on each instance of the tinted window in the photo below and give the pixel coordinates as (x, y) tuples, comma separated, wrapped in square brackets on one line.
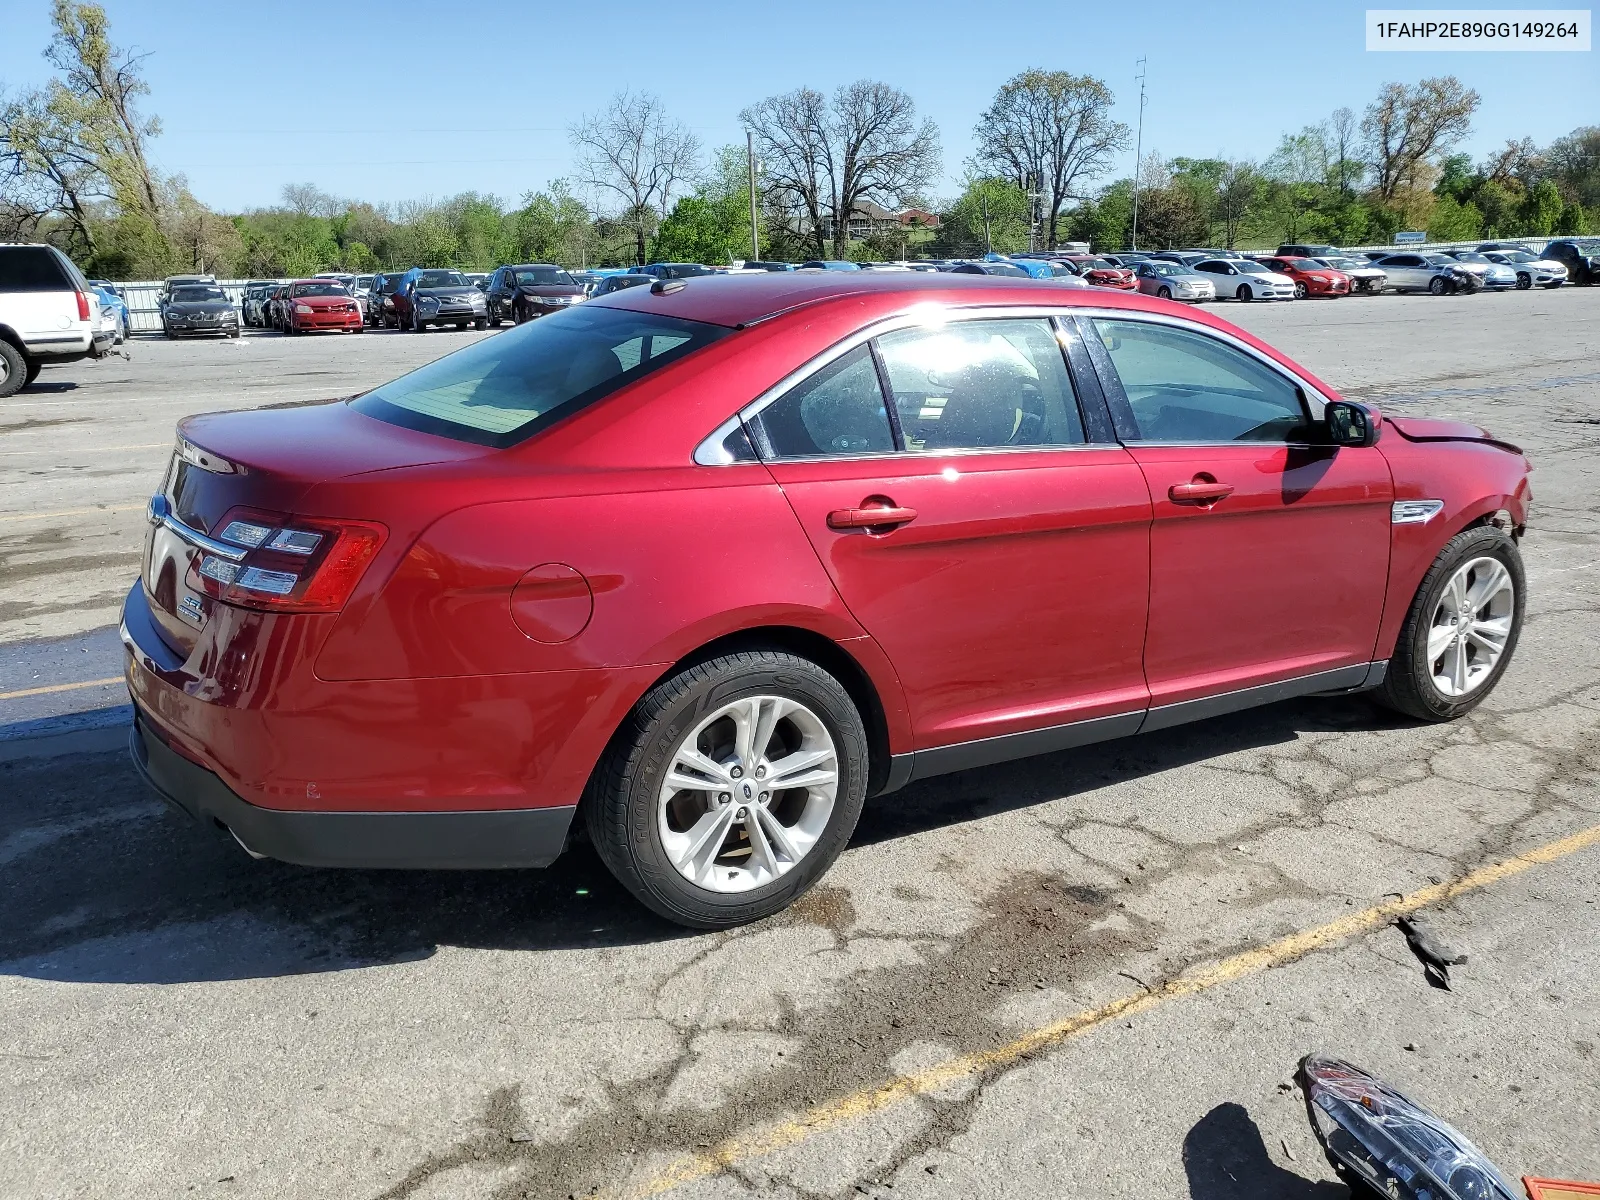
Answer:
[(197, 295), (32, 269), (838, 410), (976, 385), (503, 389), (331, 288), (1187, 387)]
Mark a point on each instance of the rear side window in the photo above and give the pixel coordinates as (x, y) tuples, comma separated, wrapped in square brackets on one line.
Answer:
[(32, 269), (981, 385), (839, 410), (1187, 387), (503, 389)]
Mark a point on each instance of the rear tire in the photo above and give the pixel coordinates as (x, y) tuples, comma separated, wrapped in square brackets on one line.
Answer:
[(14, 369), (625, 809), (1409, 686)]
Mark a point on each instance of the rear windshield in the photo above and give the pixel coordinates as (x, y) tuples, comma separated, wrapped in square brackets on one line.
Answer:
[(506, 388), (545, 277), (32, 269)]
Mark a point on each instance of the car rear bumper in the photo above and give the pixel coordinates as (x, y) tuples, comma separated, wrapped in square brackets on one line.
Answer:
[(416, 840)]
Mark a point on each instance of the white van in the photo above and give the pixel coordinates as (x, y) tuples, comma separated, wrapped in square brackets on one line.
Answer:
[(48, 314)]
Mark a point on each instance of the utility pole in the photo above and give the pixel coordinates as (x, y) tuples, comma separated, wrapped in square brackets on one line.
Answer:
[(988, 241), (1138, 153), (755, 228)]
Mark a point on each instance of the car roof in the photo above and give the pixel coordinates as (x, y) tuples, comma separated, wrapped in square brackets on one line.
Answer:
[(736, 300)]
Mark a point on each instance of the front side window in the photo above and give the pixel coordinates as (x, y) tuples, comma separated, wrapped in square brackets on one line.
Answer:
[(981, 385), (839, 410), (1188, 387), (503, 389)]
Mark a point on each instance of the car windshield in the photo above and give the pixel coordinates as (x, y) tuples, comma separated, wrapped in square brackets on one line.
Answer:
[(1516, 256), (545, 276), (1477, 258), (1342, 264), (330, 287), (1005, 269), (501, 390), (198, 295), (1167, 268), (439, 279), (363, 280), (1248, 267), (1058, 271), (1304, 264), (1096, 264), (1587, 248)]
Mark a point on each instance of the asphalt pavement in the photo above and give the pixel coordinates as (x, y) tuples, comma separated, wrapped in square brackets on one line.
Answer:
[(1090, 973)]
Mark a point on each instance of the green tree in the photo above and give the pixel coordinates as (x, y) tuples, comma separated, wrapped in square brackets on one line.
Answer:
[(712, 225), (1542, 209), (991, 214), (1573, 221), (1453, 221)]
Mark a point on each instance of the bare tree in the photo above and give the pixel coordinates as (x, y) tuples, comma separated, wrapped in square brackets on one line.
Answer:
[(1343, 139), (1238, 190), (791, 133), (1516, 161), (637, 154), (1050, 132), (828, 157), (308, 200), (1405, 127)]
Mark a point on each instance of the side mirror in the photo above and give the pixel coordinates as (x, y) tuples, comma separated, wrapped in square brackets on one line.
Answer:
[(1351, 424)]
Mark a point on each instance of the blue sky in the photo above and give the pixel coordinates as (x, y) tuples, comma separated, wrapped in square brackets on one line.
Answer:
[(409, 100)]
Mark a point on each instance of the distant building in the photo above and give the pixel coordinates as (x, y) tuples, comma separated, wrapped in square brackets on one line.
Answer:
[(867, 218)]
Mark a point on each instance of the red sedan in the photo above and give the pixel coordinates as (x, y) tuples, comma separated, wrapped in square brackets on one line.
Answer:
[(312, 304), (1310, 277), (706, 564), (1103, 273)]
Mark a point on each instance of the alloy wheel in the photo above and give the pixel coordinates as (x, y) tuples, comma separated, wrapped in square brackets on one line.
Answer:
[(748, 793), (1470, 627)]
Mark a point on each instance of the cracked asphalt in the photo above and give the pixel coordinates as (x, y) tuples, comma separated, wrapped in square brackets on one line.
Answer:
[(177, 1019)]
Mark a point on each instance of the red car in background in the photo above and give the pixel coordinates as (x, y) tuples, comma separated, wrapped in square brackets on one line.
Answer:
[(1103, 273), (1310, 277), (707, 563), (310, 304)]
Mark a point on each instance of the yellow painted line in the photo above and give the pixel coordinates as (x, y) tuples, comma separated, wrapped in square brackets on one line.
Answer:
[(822, 1117), (68, 451), (59, 687), (72, 512)]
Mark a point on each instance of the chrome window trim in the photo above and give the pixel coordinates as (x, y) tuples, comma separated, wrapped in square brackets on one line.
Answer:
[(709, 452)]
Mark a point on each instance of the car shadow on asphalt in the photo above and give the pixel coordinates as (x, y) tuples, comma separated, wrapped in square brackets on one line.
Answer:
[(1226, 1159), (104, 885)]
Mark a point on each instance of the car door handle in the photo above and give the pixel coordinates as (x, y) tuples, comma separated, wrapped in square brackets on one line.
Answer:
[(1199, 492), (870, 518)]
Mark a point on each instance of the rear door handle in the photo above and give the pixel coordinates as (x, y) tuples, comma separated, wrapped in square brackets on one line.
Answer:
[(1198, 493), (870, 518)]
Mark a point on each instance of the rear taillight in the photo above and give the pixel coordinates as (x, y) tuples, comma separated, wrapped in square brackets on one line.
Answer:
[(83, 307), (286, 564)]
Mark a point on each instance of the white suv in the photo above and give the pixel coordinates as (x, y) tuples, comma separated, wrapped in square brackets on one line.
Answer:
[(47, 314)]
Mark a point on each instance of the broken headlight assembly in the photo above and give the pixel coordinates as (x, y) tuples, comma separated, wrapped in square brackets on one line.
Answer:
[(1383, 1144)]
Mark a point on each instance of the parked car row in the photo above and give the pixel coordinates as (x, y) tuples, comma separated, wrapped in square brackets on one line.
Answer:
[(419, 298)]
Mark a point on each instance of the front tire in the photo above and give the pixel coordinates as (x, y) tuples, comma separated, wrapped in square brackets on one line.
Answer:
[(1244, 294), (1300, 291), (732, 851), (1461, 630), (1524, 281), (481, 324), (1165, 292)]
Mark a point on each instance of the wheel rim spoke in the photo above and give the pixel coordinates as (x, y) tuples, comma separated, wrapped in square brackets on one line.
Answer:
[(704, 839), (761, 851), (698, 764), (777, 835), (1491, 635), (802, 769), (1486, 586), (1439, 639)]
